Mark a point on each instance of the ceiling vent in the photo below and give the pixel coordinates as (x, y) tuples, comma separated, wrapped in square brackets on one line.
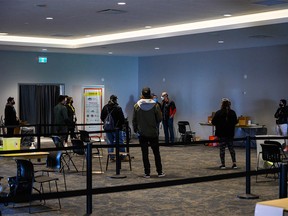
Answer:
[(111, 11), (62, 35), (261, 36), (271, 2)]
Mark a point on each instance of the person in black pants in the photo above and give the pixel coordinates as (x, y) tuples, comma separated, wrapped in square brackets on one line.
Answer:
[(146, 118), (11, 118), (225, 121)]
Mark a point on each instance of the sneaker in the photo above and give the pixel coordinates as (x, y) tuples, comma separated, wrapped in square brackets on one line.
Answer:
[(146, 176), (222, 167), (234, 166), (162, 174)]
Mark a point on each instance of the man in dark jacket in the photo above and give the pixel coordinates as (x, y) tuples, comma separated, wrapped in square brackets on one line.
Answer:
[(61, 119), (146, 117), (281, 116), (10, 116), (225, 121), (118, 117)]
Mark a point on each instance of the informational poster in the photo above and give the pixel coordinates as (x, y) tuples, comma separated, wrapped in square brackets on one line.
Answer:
[(93, 103)]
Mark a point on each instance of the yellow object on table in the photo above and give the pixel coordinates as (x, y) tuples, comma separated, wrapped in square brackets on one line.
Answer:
[(11, 143)]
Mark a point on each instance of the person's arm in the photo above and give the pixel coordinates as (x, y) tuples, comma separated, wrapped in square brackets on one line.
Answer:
[(158, 113), (134, 121)]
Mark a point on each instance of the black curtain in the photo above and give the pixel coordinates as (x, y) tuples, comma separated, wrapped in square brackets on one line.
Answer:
[(37, 102)]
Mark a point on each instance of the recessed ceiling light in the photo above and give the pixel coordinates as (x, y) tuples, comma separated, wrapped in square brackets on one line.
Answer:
[(220, 41), (227, 15), (3, 33), (148, 27), (121, 3), (156, 48), (44, 50), (49, 18), (110, 53)]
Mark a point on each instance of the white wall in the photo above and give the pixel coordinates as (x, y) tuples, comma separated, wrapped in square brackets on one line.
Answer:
[(198, 81), (120, 76)]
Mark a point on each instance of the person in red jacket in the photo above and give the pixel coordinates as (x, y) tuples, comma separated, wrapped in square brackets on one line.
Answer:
[(168, 108)]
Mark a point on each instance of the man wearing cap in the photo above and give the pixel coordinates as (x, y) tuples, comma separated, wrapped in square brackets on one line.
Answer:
[(168, 108), (146, 117), (10, 116), (118, 117)]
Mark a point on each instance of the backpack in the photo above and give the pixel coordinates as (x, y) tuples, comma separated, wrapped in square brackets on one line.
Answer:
[(109, 121)]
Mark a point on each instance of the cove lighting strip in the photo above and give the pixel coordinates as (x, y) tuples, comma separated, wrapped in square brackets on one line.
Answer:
[(265, 18)]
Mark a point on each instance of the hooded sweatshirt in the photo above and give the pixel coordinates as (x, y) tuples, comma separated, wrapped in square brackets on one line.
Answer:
[(146, 117)]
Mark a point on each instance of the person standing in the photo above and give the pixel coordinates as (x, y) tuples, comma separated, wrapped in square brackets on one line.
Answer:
[(11, 118), (72, 118), (281, 116), (118, 117), (146, 117), (61, 119), (225, 121), (168, 108)]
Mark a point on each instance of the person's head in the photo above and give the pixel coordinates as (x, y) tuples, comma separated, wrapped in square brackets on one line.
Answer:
[(62, 99), (146, 93), (69, 100), (282, 103), (11, 101), (226, 104), (113, 99), (164, 96), (154, 97)]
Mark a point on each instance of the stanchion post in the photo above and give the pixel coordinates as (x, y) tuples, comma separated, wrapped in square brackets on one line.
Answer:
[(89, 179), (283, 181), (248, 194), (38, 131), (118, 162)]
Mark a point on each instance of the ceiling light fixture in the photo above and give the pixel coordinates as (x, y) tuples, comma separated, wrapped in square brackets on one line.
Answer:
[(121, 3), (148, 27), (156, 48), (49, 18), (227, 15), (265, 18)]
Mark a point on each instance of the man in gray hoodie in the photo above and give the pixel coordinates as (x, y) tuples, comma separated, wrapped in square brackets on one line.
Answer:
[(146, 117)]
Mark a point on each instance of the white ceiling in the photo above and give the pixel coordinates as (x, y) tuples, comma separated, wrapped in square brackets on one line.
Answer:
[(74, 19)]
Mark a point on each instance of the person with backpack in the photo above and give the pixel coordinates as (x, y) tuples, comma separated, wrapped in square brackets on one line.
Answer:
[(112, 116)]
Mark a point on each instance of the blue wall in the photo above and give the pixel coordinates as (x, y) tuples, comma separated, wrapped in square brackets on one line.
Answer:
[(119, 75), (198, 81), (195, 81)]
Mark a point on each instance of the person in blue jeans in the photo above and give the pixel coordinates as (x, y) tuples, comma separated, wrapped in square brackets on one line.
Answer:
[(118, 117), (168, 108)]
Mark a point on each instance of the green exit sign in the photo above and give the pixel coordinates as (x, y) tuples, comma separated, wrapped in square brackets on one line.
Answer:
[(42, 59)]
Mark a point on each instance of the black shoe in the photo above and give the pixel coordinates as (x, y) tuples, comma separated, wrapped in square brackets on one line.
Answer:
[(234, 166)]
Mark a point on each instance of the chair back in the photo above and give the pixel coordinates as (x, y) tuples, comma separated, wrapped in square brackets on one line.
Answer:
[(54, 160), (271, 152), (84, 136), (78, 143), (57, 141), (21, 186), (182, 126)]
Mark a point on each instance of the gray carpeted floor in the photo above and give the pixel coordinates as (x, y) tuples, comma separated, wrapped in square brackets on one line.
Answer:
[(215, 198)]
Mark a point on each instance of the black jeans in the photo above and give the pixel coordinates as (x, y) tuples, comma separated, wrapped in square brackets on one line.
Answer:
[(154, 143)]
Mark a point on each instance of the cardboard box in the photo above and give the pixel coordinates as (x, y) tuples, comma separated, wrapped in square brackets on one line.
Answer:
[(12, 143), (211, 117), (243, 120)]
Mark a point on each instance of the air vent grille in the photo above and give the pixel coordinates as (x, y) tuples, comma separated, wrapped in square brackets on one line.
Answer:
[(111, 11)]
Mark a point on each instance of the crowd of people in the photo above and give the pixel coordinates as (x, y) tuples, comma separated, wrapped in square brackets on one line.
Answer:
[(148, 114)]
